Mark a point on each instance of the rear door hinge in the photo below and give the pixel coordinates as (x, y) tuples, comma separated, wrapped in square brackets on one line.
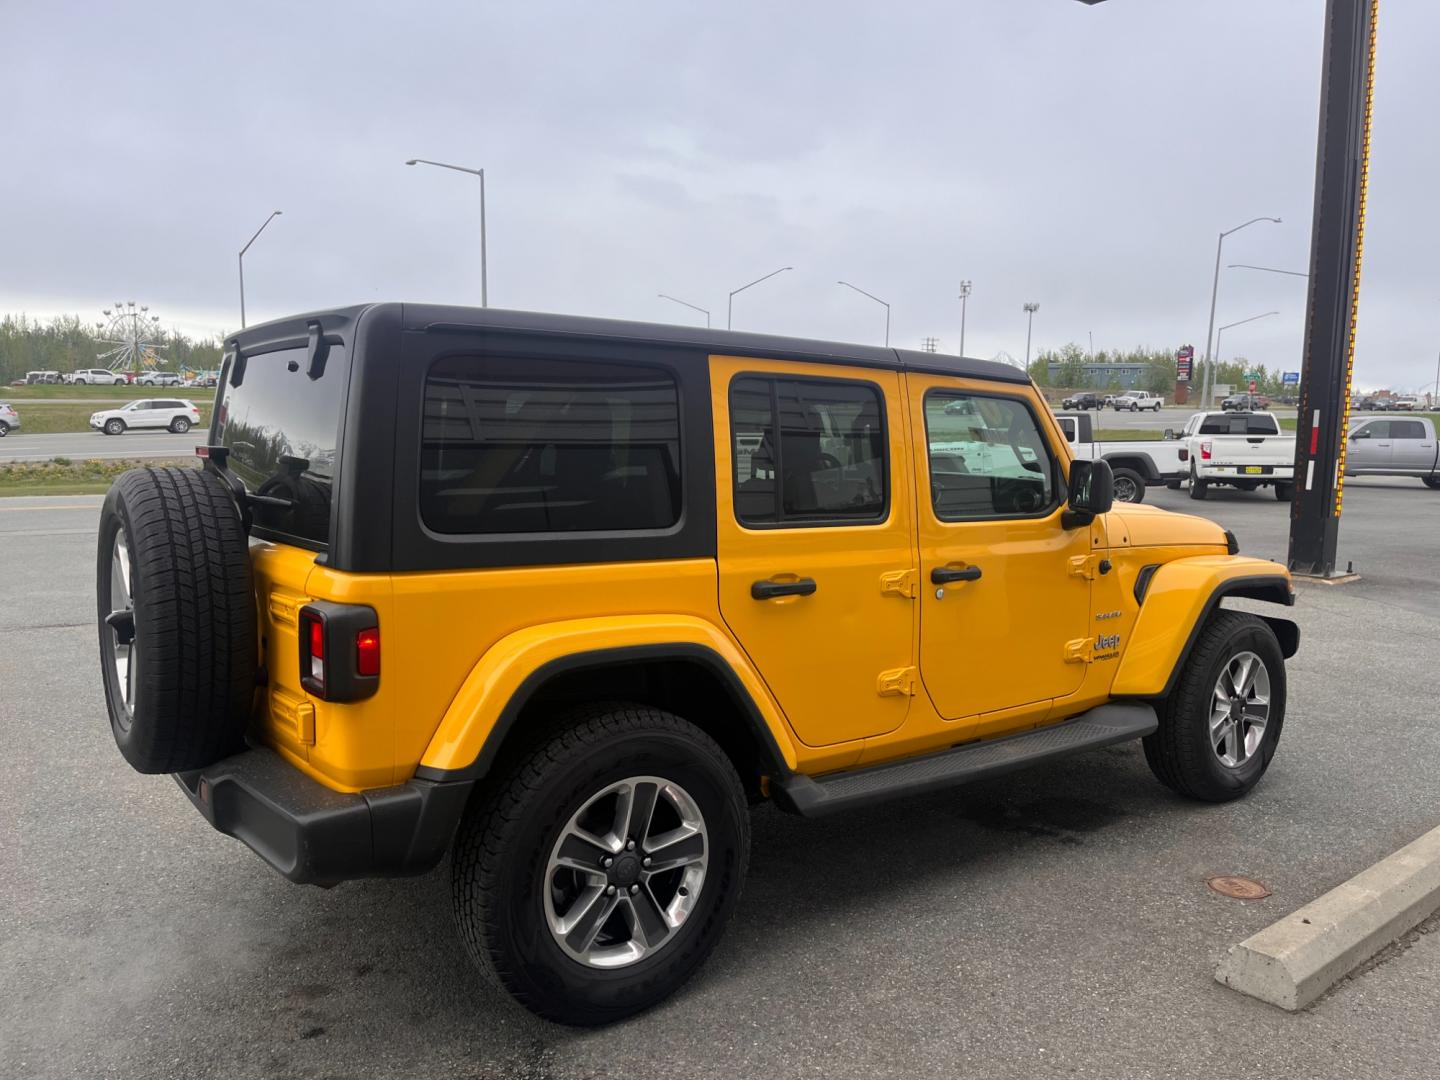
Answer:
[(899, 583), (1080, 651), (898, 681)]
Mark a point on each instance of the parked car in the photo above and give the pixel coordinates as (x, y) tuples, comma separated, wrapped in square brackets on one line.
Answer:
[(1406, 404), (177, 415), (43, 378), (1394, 448), (1136, 400), (1136, 464), (1083, 402), (561, 597), (9, 419), (158, 378), (1245, 403), (1364, 404), (97, 377), (1239, 449)]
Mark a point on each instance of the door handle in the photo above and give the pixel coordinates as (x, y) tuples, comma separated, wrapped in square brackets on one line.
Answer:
[(944, 575), (770, 590)]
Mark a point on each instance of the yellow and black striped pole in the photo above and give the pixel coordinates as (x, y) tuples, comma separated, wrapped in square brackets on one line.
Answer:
[(1341, 169)]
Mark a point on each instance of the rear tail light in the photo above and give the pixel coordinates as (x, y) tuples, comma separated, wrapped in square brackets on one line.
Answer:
[(1204, 451), (339, 650)]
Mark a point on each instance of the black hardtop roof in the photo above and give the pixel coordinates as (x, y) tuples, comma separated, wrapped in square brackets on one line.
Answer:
[(440, 318)]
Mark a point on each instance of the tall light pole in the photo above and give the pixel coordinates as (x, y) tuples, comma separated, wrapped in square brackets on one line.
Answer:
[(686, 303), (964, 298), (1205, 386), (484, 283), (1030, 310), (273, 215), (730, 303), (1241, 322), (872, 296)]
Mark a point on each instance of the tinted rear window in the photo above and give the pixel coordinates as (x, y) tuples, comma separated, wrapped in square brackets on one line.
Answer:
[(1239, 424), (549, 446), (282, 429)]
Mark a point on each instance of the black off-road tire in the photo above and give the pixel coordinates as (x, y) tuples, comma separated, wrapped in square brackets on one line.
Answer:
[(193, 622), (503, 846), (1284, 492), (1136, 488), (1432, 482), (1179, 752), (1198, 488)]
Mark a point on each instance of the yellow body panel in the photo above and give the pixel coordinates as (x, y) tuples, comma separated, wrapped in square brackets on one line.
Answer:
[(495, 679), (1177, 598)]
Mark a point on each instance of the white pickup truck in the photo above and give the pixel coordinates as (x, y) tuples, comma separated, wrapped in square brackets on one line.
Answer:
[(1136, 401), (1136, 465), (1394, 447), (1245, 450)]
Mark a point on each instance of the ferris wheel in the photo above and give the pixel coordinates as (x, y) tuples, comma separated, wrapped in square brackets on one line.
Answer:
[(135, 335)]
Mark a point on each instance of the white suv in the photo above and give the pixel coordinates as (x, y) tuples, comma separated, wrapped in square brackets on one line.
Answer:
[(177, 415), (158, 378), (97, 376)]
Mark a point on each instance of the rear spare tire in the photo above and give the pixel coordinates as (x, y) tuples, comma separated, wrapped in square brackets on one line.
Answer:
[(176, 613)]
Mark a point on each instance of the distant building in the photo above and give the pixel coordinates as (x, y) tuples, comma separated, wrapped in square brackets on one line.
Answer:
[(1128, 376)]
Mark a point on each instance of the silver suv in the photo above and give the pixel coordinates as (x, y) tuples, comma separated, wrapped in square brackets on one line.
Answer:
[(9, 419)]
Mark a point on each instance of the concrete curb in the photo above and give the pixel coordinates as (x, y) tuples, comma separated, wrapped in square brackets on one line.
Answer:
[(1292, 962)]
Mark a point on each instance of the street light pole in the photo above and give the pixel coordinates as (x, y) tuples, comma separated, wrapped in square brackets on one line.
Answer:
[(1267, 269), (484, 269), (872, 296), (1206, 404), (686, 303), (1205, 386), (273, 215), (1030, 310), (730, 303), (964, 298)]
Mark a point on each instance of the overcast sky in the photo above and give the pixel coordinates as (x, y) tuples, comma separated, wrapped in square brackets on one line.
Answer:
[(1081, 157)]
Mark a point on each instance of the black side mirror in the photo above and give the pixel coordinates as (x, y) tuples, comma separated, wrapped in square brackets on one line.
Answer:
[(1092, 492)]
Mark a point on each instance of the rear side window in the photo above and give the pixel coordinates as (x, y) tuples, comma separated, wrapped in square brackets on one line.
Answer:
[(549, 446), (282, 429), (1407, 429), (808, 451)]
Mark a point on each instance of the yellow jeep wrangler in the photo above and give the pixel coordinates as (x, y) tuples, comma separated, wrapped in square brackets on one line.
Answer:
[(560, 597)]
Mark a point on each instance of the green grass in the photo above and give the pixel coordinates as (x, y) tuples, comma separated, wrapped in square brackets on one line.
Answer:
[(44, 392), (43, 417), (1125, 434), (1289, 422), (62, 476)]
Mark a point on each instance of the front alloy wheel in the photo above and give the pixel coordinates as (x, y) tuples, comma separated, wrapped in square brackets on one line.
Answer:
[(1240, 709)]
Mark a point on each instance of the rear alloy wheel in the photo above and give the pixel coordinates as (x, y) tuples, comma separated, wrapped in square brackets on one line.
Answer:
[(180, 425), (1220, 725), (1129, 486), (4, 429), (604, 865), (1198, 488), (114, 427)]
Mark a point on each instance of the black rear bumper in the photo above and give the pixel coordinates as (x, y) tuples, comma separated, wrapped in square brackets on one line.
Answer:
[(315, 835)]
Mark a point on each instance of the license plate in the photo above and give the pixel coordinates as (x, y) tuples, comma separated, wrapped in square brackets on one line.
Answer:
[(1253, 469)]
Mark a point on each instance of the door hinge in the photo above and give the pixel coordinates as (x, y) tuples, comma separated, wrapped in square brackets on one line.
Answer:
[(1083, 566), (899, 583), (896, 681), (1080, 651)]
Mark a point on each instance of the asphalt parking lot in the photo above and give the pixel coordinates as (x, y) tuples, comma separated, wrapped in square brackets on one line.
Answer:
[(1054, 923)]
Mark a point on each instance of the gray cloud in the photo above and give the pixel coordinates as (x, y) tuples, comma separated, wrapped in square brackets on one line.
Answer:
[(1081, 157)]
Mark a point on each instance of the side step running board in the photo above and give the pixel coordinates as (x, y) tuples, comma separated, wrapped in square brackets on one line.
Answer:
[(1102, 726)]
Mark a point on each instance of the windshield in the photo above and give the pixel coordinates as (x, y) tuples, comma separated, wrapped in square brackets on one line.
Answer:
[(282, 430)]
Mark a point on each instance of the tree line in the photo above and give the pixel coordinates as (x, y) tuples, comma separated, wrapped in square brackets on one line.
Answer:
[(1158, 376), (68, 342)]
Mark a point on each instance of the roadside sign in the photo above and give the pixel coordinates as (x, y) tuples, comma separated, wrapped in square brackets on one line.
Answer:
[(1290, 378), (1252, 386), (1184, 363)]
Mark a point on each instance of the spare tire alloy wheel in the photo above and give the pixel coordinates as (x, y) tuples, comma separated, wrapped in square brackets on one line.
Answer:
[(176, 616), (625, 872)]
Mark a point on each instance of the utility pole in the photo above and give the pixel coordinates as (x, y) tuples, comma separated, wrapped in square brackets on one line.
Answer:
[(930, 345), (1030, 310), (1346, 97), (964, 299)]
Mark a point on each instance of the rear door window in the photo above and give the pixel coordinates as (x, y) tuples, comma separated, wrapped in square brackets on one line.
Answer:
[(549, 446), (282, 430)]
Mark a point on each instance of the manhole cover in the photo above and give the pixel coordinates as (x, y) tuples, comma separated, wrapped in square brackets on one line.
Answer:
[(1238, 888)]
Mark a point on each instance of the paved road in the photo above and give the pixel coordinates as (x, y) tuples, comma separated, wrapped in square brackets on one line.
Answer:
[(18, 446), (1053, 923)]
